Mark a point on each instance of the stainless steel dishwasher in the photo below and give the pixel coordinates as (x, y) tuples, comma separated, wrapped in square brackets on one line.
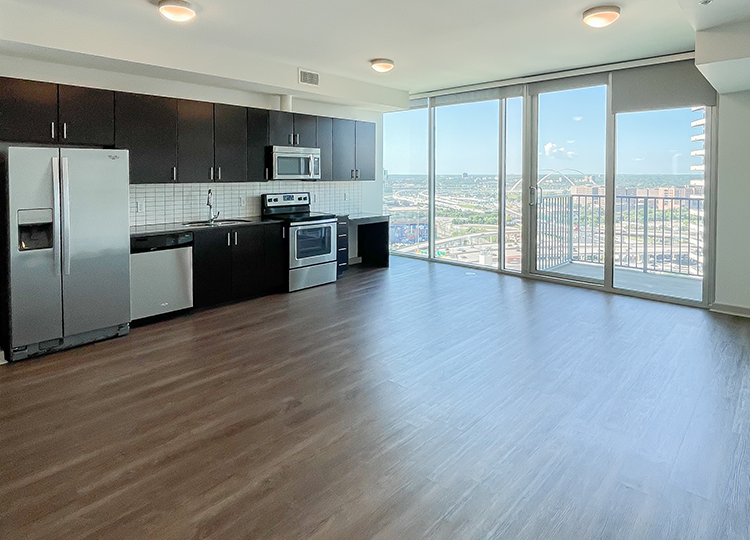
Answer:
[(161, 274)]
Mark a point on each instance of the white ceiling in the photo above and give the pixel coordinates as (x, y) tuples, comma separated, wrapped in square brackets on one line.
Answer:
[(716, 13), (435, 43)]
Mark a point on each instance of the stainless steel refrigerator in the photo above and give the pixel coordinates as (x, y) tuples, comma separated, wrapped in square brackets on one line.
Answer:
[(67, 265)]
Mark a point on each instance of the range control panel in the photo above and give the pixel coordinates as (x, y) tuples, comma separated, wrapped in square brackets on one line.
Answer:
[(271, 200)]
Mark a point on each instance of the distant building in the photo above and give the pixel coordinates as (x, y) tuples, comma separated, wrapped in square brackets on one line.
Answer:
[(587, 190), (700, 138)]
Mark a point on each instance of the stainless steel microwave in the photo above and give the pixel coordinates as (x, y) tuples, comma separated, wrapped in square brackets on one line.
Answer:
[(294, 163)]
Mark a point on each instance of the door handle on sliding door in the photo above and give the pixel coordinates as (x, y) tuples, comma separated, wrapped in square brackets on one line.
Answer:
[(66, 216), (56, 248), (532, 195)]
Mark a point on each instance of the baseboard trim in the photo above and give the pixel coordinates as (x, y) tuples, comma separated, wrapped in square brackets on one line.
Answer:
[(731, 310)]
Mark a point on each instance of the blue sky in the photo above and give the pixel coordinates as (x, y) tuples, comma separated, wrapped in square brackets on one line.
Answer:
[(571, 136)]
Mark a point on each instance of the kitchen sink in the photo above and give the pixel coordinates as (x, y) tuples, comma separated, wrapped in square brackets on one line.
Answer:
[(217, 223)]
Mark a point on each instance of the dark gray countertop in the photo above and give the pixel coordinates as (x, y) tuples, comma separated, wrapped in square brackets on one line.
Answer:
[(363, 219), (166, 228)]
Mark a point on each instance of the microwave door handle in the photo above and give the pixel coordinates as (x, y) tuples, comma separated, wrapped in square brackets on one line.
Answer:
[(57, 250), (312, 167)]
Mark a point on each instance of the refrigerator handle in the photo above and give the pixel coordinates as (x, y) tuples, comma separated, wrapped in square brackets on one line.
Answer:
[(57, 251), (66, 216)]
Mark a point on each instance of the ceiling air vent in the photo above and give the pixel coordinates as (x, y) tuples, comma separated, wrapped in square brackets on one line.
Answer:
[(309, 77)]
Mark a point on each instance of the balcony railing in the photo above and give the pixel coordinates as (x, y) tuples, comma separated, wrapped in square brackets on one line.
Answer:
[(652, 234)]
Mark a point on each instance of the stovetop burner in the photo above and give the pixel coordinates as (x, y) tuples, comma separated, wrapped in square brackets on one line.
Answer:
[(290, 207)]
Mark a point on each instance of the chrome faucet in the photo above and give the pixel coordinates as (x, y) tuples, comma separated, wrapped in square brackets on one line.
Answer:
[(210, 204)]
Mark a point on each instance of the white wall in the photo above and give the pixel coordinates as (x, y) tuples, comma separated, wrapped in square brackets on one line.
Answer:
[(19, 67), (733, 205)]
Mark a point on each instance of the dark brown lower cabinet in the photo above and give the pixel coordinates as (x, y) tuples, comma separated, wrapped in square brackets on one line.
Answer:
[(247, 261), (275, 259), (212, 267), (232, 264)]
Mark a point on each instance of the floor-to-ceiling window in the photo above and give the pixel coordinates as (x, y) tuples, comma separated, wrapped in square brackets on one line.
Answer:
[(466, 182), (512, 167), (405, 184), (602, 178), (660, 202), (569, 199)]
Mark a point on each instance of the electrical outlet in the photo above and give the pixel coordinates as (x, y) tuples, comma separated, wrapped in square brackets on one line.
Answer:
[(346, 196), (242, 202), (140, 206), (315, 197)]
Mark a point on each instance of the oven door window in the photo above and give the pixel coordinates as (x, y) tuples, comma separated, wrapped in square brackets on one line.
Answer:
[(292, 166), (314, 242)]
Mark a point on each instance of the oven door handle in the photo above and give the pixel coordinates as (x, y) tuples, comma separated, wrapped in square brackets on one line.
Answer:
[(311, 224)]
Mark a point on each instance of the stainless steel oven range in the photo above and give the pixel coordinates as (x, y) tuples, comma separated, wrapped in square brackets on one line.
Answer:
[(312, 238)]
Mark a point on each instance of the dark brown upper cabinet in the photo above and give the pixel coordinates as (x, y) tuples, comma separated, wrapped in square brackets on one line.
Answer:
[(147, 126), (305, 131), (230, 143), (86, 116), (195, 142), (28, 111), (365, 151), (325, 143), (257, 140), (292, 129), (280, 128), (344, 149)]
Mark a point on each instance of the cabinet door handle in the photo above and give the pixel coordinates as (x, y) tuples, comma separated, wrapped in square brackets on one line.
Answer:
[(342, 249), (211, 174), (53, 130), (291, 138), (219, 173), (296, 138), (229, 239), (65, 130), (283, 233), (266, 173), (235, 238), (174, 174)]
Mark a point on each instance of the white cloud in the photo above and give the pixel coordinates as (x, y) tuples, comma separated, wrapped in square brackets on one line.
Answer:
[(557, 152), (570, 142), (577, 118), (638, 159)]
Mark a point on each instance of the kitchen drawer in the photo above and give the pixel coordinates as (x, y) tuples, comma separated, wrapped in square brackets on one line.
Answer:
[(342, 239)]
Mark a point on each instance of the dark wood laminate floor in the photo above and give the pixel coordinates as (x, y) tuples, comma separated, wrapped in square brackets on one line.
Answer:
[(422, 401)]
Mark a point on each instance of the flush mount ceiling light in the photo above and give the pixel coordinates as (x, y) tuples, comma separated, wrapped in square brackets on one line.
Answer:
[(382, 65), (176, 10), (601, 16)]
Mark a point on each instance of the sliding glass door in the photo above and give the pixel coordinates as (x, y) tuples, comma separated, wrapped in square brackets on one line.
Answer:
[(567, 198)]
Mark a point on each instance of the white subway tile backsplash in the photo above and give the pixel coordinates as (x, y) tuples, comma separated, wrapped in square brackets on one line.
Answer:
[(172, 203)]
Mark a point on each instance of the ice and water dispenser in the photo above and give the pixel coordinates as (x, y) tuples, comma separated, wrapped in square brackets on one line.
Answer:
[(35, 229)]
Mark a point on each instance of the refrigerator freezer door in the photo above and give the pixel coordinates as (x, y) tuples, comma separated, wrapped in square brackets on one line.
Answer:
[(35, 281), (96, 239)]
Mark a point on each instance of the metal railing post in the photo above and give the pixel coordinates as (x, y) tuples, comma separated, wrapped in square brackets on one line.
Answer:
[(570, 227), (645, 234)]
